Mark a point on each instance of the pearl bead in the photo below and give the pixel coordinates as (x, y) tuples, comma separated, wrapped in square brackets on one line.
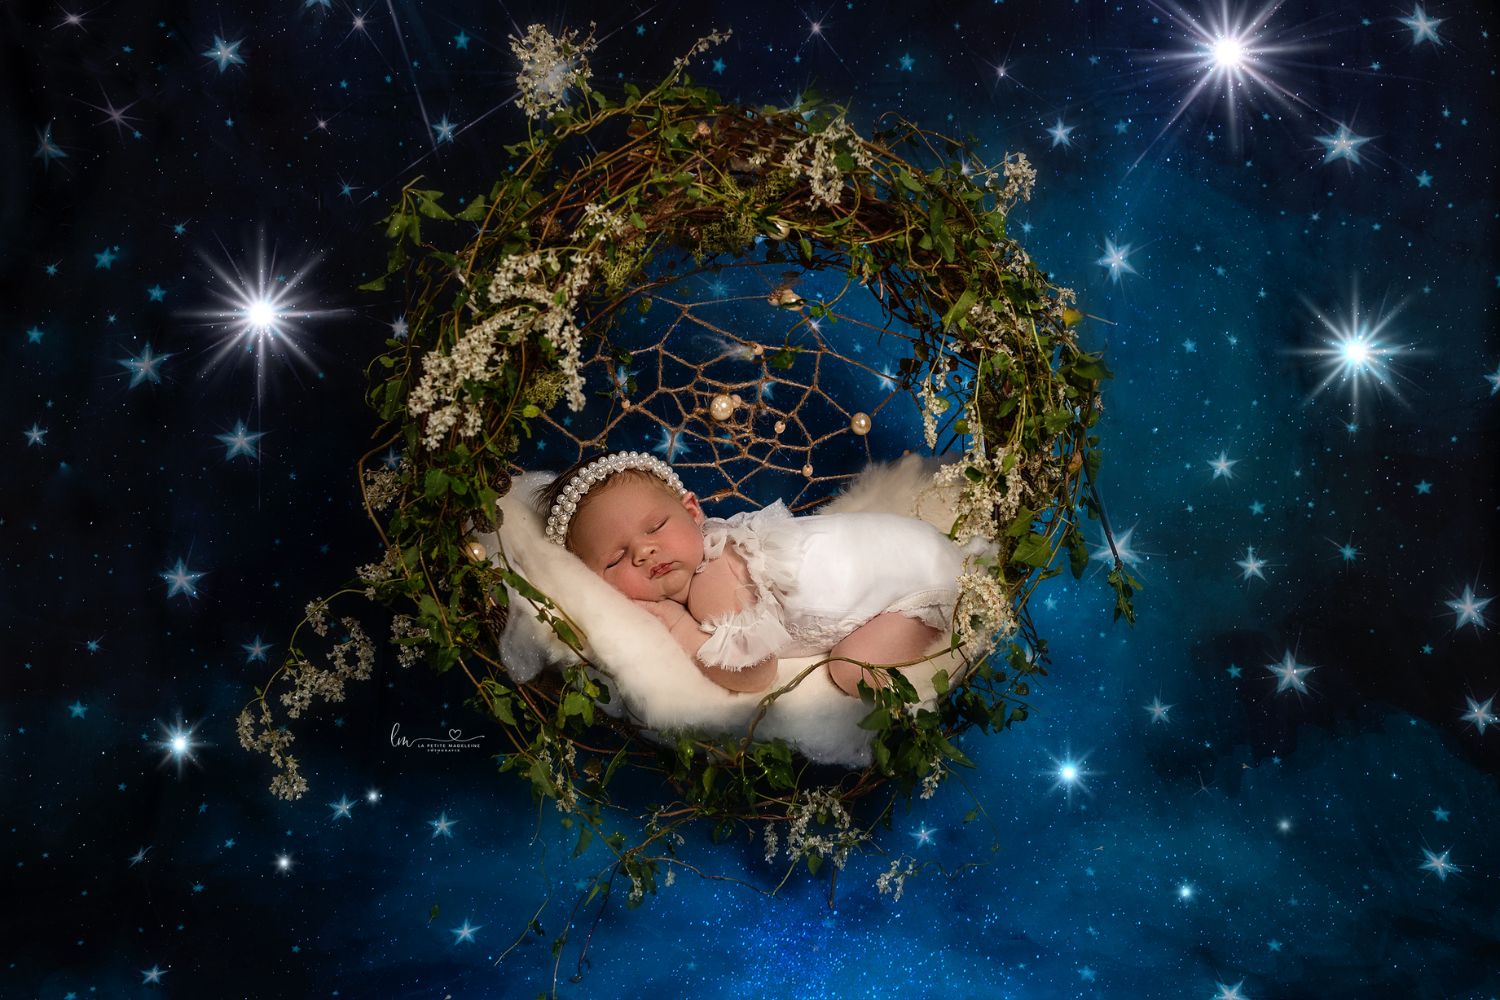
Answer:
[(807, 471), (722, 408), (477, 551), (860, 423), (780, 426)]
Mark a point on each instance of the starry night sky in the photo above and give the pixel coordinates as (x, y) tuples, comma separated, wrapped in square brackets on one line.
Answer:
[(170, 503)]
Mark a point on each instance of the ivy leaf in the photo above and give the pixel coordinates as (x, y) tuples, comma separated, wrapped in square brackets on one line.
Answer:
[(876, 721), (1033, 550), (960, 308), (1078, 554)]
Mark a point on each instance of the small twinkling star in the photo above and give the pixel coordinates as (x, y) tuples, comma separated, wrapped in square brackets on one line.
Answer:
[(1438, 864), (36, 435), (1469, 608), (464, 933), (341, 808), (1424, 180), (1424, 487), (443, 130), (1289, 674), (143, 367), (1440, 814), (181, 580), (240, 442), (226, 53), (152, 975), (1423, 28), (907, 61), (461, 40), (1479, 714), (77, 710), (1343, 144), (105, 259), (442, 826), (1061, 134), (255, 650), (1223, 465), (1158, 710), (157, 293)]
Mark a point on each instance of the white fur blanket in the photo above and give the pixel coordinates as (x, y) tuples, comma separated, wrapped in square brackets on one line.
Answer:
[(651, 680)]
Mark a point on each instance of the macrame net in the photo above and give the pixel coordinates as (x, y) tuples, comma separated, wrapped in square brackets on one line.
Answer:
[(803, 363)]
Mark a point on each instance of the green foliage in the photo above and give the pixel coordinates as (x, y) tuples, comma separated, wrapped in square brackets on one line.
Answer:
[(917, 224)]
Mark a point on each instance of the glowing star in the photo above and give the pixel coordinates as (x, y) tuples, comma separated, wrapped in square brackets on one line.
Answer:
[(1128, 555), (399, 329), (341, 807), (105, 259), (36, 435), (1158, 710), (78, 710), (1478, 714), (1289, 673), (1068, 774), (46, 149), (671, 444), (443, 130), (261, 312), (442, 826), (1494, 381), (1438, 864), (464, 933), (143, 367), (181, 580), (152, 975), (117, 116), (1357, 350), (1230, 992), (284, 864), (1223, 465), (1185, 891), (1251, 565), (1116, 259), (1347, 551), (1342, 145), (138, 856), (226, 53), (1423, 28), (372, 796), (1061, 134), (1469, 608), (178, 744), (255, 650), (240, 442), (923, 835)]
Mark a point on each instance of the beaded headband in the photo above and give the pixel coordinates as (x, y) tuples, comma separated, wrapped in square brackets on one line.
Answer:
[(597, 471)]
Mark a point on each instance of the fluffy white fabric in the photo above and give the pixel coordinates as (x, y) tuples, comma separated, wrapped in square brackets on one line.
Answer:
[(652, 681)]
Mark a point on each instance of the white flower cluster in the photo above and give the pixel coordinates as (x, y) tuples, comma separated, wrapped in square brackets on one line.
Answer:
[(559, 771), (1020, 178), (598, 223), (383, 486), (309, 682), (289, 783), (406, 627), (936, 771), (893, 880), (316, 613), (983, 611), (933, 401), (834, 842), (701, 46), (380, 572), (537, 293), (822, 172), (981, 510), (550, 64)]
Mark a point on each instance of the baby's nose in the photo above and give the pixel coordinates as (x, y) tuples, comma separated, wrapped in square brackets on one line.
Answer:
[(644, 551)]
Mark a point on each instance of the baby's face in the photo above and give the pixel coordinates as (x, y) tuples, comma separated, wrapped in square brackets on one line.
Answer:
[(644, 541)]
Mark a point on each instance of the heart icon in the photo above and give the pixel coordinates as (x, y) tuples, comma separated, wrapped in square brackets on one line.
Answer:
[(454, 734)]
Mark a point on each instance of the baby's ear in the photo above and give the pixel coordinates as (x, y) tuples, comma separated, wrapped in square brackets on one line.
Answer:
[(690, 503)]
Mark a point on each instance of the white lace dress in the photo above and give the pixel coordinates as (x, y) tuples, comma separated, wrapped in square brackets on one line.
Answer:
[(819, 578)]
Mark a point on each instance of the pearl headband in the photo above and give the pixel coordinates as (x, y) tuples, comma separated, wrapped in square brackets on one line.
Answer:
[(596, 472)]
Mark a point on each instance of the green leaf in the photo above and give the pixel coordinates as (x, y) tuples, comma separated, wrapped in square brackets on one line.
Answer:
[(909, 182), (877, 720), (433, 913), (435, 484), (1078, 553), (1033, 550), (940, 682), (585, 837), (960, 308), (971, 815), (475, 210), (1056, 421)]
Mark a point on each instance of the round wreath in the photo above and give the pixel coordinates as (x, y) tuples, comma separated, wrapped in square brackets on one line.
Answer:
[(497, 330)]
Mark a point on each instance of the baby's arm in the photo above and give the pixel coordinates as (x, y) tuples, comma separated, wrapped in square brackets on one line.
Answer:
[(684, 629)]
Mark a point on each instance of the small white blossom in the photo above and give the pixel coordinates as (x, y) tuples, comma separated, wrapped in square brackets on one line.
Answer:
[(550, 65)]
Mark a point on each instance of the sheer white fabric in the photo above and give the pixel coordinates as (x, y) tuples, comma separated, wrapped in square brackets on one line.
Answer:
[(819, 578)]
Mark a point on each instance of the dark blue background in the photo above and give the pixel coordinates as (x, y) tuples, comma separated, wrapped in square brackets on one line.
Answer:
[(1252, 843)]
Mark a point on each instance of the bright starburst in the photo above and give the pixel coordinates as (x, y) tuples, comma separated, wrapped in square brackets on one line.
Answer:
[(442, 826), (1251, 564), (1223, 465), (1228, 53), (178, 745), (1357, 350), (143, 367), (341, 808), (1230, 992), (261, 309), (1158, 710), (1061, 134), (1068, 774), (1116, 259), (1128, 554), (241, 441), (465, 933)]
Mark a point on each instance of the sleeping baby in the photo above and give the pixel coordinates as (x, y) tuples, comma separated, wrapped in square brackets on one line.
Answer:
[(739, 593)]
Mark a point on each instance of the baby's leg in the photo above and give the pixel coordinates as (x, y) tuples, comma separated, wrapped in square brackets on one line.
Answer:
[(887, 638)]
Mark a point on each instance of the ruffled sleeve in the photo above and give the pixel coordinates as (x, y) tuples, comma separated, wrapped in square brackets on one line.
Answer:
[(743, 638)]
